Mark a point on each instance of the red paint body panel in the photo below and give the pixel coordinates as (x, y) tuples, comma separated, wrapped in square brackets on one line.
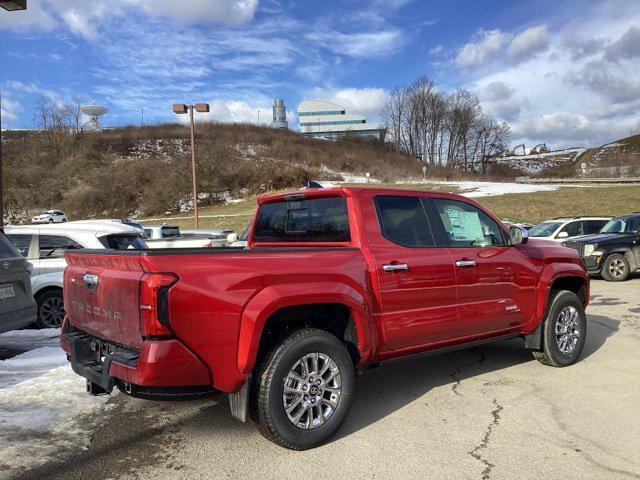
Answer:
[(223, 298)]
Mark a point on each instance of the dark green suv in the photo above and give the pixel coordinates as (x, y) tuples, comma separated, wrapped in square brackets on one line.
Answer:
[(17, 306)]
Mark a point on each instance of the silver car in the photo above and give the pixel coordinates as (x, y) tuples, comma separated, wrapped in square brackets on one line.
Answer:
[(17, 306)]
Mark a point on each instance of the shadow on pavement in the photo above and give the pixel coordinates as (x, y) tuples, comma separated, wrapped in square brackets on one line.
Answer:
[(145, 433)]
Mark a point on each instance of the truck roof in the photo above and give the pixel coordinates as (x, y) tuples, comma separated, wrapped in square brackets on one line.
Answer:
[(353, 191)]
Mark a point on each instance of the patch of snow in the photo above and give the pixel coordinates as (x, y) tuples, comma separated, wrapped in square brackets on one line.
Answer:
[(485, 189), (42, 403)]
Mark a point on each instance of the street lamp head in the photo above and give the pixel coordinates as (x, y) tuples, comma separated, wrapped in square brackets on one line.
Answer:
[(179, 108), (13, 4), (202, 107)]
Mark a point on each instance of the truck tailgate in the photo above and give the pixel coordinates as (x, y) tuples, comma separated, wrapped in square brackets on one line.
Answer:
[(101, 296)]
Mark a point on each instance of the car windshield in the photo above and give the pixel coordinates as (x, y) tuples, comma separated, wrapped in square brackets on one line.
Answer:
[(544, 229), (622, 225)]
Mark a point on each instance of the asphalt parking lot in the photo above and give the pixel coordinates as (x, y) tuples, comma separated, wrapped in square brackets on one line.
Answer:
[(488, 413)]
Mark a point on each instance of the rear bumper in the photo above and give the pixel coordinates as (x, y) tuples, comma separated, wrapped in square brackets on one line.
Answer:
[(17, 319), (160, 364)]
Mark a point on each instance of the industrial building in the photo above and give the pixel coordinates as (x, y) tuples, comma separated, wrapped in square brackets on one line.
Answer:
[(279, 114), (322, 119)]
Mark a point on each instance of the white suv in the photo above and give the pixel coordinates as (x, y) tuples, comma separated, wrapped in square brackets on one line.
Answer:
[(561, 228), (50, 216), (44, 246)]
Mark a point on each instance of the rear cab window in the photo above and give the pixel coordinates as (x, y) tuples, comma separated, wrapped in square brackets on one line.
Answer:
[(303, 220)]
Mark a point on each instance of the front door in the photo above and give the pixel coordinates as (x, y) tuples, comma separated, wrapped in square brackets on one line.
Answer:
[(496, 281), (416, 279)]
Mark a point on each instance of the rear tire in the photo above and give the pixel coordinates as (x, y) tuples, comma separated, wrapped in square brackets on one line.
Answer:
[(564, 330), (319, 395), (50, 309), (616, 268), (51, 220)]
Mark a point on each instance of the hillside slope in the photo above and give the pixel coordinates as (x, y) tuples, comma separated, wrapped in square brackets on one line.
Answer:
[(147, 170), (617, 159)]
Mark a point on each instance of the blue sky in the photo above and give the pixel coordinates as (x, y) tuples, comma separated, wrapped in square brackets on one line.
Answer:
[(566, 73)]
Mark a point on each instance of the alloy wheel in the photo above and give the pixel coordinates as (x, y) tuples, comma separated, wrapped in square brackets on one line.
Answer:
[(617, 268), (312, 390), (52, 312), (568, 329)]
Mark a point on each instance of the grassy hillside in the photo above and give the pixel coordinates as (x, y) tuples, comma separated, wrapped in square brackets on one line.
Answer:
[(567, 201), (147, 169)]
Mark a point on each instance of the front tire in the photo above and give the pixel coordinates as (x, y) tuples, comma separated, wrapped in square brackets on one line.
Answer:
[(303, 390), (51, 220), (616, 268), (564, 330), (50, 309)]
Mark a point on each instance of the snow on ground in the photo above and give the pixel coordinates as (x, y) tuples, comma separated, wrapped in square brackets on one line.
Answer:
[(485, 189), (43, 403)]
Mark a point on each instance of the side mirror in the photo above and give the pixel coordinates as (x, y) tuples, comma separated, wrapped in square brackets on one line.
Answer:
[(563, 235), (232, 237), (518, 235)]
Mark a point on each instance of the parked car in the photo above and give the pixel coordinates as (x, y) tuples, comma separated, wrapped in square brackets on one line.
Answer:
[(217, 236), (165, 236), (334, 280), (50, 216), (561, 228), (44, 246), (17, 307), (613, 253)]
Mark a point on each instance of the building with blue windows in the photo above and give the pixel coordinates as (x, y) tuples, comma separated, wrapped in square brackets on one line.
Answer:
[(322, 119)]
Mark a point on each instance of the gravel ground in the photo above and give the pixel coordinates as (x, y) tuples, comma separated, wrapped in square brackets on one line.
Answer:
[(486, 413)]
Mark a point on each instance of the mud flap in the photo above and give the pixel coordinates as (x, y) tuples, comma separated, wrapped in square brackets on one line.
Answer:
[(533, 341), (239, 401)]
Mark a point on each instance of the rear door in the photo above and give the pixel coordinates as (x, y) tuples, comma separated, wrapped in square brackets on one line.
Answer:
[(591, 227), (416, 279), (495, 281), (51, 250)]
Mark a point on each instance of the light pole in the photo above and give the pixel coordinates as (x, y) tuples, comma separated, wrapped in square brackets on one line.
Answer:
[(10, 6), (181, 108)]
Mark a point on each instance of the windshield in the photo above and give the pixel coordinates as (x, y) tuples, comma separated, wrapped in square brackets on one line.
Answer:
[(622, 225), (544, 229)]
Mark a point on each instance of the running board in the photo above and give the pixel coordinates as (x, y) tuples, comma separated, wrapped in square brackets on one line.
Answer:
[(451, 348)]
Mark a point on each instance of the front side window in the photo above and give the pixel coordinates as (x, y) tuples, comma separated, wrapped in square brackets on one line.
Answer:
[(403, 220), (306, 220), (467, 226), (622, 225), (54, 246), (21, 241)]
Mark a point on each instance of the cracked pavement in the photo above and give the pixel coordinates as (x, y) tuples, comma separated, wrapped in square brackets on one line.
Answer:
[(491, 412)]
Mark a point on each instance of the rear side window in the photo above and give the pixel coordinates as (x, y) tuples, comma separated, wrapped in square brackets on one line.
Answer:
[(573, 229), (54, 246), (7, 249), (168, 232), (593, 226), (403, 220), (123, 242), (22, 242), (311, 220)]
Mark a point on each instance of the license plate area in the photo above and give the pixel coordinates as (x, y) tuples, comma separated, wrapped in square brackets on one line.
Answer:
[(7, 291)]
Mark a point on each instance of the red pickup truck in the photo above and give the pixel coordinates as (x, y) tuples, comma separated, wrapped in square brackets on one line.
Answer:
[(334, 280)]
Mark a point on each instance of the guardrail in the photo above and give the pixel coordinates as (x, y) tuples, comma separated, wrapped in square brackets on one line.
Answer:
[(630, 180)]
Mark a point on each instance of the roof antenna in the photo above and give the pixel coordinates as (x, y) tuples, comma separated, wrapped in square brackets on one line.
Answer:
[(313, 184)]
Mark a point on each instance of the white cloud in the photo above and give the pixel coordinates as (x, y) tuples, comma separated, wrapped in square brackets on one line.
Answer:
[(564, 127), (362, 44), (35, 18), (10, 109), (500, 100), (482, 51), (226, 12), (531, 41), (627, 46)]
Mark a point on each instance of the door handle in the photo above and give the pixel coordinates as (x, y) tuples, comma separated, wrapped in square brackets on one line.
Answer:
[(466, 263), (395, 267)]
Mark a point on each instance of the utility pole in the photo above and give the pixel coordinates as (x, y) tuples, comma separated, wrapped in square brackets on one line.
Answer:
[(142, 116), (181, 108)]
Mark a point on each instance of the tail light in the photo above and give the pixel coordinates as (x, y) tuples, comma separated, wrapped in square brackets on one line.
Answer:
[(154, 304)]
